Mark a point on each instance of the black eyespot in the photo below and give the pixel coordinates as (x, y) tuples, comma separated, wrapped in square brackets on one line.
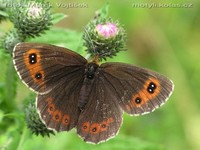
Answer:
[(94, 129), (151, 88), (84, 127), (32, 58), (138, 100), (51, 108), (38, 76), (103, 126), (66, 120), (57, 117)]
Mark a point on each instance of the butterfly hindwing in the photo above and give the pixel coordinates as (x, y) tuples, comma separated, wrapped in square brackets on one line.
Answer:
[(137, 90), (42, 66), (59, 108), (119, 87), (102, 116)]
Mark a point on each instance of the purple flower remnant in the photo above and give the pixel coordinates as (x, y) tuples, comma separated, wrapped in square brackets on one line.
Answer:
[(108, 30)]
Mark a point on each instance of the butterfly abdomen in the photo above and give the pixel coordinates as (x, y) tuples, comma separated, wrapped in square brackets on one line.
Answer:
[(87, 86)]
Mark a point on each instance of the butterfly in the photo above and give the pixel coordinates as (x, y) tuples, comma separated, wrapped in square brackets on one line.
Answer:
[(91, 97)]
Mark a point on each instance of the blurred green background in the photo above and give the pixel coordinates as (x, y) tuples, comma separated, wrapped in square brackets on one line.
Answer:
[(164, 39)]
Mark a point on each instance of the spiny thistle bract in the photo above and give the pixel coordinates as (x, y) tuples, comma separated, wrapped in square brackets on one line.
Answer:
[(33, 120), (10, 39)]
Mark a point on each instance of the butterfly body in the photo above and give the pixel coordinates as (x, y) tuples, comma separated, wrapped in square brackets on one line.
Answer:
[(75, 93), (90, 71)]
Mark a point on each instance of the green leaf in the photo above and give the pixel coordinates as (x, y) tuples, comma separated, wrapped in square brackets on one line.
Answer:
[(63, 37), (1, 116), (2, 13), (11, 85), (57, 17), (1, 92), (122, 142), (103, 12)]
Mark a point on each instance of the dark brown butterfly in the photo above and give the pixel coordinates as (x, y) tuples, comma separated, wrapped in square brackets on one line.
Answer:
[(75, 93)]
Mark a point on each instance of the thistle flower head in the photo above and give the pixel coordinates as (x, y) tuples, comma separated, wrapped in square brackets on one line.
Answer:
[(104, 38), (34, 11), (107, 30), (32, 19)]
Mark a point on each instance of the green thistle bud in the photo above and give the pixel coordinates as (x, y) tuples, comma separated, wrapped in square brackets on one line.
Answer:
[(33, 120), (104, 38), (10, 39), (32, 18)]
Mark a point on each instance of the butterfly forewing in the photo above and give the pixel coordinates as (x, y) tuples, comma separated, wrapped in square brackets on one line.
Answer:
[(137, 90), (56, 74), (42, 66)]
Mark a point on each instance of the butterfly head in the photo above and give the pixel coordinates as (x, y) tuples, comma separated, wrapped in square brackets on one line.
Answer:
[(91, 70)]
